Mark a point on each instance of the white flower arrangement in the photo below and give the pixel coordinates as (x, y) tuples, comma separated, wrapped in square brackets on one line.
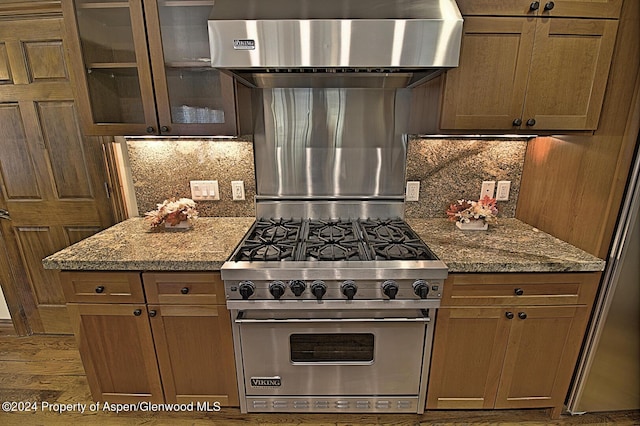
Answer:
[(172, 212)]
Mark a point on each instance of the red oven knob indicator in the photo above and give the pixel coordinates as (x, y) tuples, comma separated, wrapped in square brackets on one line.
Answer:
[(318, 288), (421, 288), (276, 289), (247, 288), (390, 289), (349, 289), (297, 287)]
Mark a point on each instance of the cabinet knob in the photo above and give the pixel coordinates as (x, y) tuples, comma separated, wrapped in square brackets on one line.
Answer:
[(522, 315), (137, 312), (100, 289), (517, 122), (549, 5), (534, 5), (152, 313), (184, 290), (150, 129), (531, 122), (164, 129), (509, 315), (518, 291)]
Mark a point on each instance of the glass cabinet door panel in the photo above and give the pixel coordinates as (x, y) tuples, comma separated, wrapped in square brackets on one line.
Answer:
[(195, 95), (115, 95), (185, 37)]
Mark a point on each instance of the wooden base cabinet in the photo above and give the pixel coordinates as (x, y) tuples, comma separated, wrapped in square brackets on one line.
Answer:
[(508, 355), (170, 342)]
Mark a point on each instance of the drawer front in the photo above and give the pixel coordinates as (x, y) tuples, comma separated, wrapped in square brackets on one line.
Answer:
[(181, 288), (102, 287), (520, 289)]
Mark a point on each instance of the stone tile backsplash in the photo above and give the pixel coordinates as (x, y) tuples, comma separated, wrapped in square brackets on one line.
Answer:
[(162, 169), (451, 169)]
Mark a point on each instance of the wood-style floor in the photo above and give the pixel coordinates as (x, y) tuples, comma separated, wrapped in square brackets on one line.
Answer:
[(48, 369)]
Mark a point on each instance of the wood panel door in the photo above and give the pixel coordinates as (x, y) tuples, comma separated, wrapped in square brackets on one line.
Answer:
[(488, 88), (195, 353), (567, 8), (569, 69), (117, 351), (542, 350), (468, 350), (52, 179)]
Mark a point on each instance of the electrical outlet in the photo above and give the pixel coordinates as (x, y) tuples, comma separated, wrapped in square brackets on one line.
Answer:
[(237, 189), (502, 194), (488, 188), (413, 191), (204, 190)]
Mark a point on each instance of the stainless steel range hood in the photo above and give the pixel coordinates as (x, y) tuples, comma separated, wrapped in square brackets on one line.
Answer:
[(334, 43)]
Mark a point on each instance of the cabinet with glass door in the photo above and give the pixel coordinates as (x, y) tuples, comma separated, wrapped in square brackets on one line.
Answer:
[(146, 68)]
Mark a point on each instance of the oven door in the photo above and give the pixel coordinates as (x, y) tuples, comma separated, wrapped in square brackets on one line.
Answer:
[(333, 353)]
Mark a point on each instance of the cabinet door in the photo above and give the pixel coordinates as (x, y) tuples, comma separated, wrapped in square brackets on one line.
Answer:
[(110, 59), (468, 350), (192, 97), (542, 350), (569, 71), (117, 351), (488, 88), (195, 353)]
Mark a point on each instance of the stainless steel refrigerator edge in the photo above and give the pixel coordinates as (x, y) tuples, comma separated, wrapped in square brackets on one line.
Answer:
[(608, 375)]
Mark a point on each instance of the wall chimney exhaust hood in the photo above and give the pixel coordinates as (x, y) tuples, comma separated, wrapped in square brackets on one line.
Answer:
[(334, 43)]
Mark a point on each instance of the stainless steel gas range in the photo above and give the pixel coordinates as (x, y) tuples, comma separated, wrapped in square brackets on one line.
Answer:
[(333, 315)]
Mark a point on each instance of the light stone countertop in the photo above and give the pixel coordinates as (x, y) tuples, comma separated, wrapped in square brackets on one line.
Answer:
[(510, 246)]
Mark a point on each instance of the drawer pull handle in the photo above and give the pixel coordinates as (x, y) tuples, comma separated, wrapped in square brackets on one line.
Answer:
[(509, 315), (152, 313), (184, 290), (137, 312), (518, 291), (100, 289), (522, 315), (534, 5), (549, 5)]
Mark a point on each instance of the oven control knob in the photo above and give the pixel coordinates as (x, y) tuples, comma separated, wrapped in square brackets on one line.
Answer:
[(297, 287), (276, 289), (349, 289), (318, 288), (421, 288), (247, 288), (390, 289)]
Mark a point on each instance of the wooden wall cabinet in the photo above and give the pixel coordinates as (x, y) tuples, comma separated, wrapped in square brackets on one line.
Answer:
[(529, 74), (143, 67), (554, 8), (175, 346), (508, 340)]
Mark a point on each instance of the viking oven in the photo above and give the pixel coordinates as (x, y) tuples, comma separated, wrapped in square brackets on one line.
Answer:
[(333, 315)]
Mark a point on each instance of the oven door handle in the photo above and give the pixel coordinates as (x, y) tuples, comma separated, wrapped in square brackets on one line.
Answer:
[(241, 320)]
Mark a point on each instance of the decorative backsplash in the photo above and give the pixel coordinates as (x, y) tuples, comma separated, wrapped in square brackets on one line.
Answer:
[(163, 168), (451, 169)]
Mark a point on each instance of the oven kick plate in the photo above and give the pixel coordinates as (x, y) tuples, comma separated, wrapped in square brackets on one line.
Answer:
[(350, 404)]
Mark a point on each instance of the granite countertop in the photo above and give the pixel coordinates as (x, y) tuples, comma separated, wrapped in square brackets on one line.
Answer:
[(510, 246), (132, 246)]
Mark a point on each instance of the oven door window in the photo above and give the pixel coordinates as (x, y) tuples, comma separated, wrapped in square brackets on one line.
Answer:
[(332, 348)]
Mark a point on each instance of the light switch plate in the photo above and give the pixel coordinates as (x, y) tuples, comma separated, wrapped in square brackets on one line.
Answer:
[(488, 188), (413, 191), (204, 190)]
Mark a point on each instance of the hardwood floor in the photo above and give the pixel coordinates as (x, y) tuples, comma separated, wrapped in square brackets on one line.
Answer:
[(47, 369)]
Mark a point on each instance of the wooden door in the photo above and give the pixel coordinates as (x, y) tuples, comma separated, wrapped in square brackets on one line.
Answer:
[(195, 353), (117, 351), (568, 8), (542, 350), (468, 350), (52, 179), (569, 72), (487, 89)]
